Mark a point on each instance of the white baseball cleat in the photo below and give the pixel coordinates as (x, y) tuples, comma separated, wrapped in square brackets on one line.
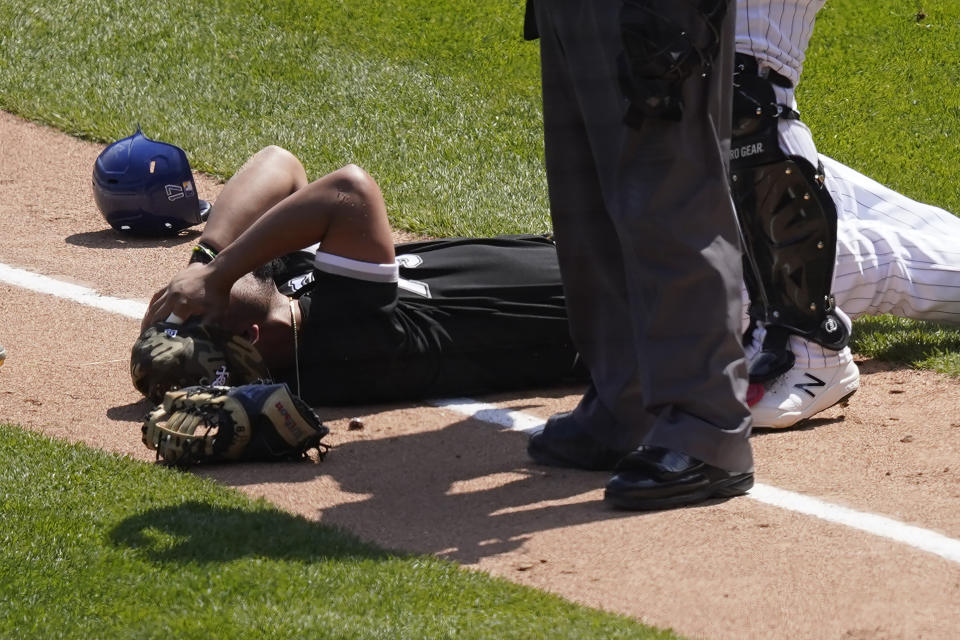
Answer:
[(804, 391)]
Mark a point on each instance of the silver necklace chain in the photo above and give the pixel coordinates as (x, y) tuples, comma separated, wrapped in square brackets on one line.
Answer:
[(296, 345)]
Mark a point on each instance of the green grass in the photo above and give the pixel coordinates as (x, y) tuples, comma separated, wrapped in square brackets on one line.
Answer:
[(94, 545), (881, 93), (917, 344), (439, 101)]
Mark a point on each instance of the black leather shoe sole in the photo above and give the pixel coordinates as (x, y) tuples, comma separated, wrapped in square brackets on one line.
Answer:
[(626, 491)]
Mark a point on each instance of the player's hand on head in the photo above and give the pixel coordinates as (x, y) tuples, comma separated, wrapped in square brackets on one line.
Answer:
[(194, 291), (147, 319)]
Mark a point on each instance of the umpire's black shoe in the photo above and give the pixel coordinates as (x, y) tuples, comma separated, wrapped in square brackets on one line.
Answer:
[(657, 478), (563, 443)]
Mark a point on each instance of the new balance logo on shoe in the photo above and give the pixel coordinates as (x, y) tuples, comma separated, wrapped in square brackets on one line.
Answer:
[(803, 392), (804, 386)]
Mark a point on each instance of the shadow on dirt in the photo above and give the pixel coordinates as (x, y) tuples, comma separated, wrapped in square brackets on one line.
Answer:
[(806, 425), (464, 492), (110, 239), (132, 412)]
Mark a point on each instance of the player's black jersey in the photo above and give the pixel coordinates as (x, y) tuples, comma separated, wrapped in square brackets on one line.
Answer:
[(465, 316)]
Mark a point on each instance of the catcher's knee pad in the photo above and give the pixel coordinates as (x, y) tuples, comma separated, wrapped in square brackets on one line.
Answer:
[(664, 43), (789, 226)]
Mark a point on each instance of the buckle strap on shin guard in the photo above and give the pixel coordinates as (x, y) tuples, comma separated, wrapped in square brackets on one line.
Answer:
[(755, 106)]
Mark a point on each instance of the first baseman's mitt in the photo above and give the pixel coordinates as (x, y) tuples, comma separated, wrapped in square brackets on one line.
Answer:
[(172, 356), (217, 424)]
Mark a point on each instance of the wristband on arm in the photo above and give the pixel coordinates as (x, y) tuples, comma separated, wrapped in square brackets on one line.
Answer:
[(202, 253)]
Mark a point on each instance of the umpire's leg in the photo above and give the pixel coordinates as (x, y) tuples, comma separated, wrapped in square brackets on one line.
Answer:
[(648, 247), (681, 251), (582, 113)]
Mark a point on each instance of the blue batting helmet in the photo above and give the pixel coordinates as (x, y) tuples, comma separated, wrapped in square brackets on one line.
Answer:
[(146, 187)]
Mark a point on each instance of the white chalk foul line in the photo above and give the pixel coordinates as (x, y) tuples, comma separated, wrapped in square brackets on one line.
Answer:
[(512, 420), (83, 295), (916, 537)]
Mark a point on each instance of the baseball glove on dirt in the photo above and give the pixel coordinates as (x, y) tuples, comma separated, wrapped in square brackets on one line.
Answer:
[(172, 356), (217, 424)]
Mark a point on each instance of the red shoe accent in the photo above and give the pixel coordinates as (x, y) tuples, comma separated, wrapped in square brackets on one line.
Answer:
[(754, 393)]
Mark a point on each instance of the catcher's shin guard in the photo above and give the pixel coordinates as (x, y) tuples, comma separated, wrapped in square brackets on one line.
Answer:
[(789, 226)]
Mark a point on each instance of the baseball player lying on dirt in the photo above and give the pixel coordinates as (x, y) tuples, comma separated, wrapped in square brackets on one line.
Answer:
[(354, 319), (363, 323)]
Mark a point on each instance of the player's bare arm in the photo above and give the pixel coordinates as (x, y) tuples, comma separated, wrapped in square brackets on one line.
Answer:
[(343, 210), (266, 178)]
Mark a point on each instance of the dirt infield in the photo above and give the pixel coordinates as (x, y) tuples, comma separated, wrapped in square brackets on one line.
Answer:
[(431, 480)]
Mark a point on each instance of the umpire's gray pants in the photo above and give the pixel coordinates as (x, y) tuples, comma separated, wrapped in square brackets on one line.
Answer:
[(648, 245)]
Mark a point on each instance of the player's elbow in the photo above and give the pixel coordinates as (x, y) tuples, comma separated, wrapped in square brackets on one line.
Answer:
[(275, 155), (281, 164)]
